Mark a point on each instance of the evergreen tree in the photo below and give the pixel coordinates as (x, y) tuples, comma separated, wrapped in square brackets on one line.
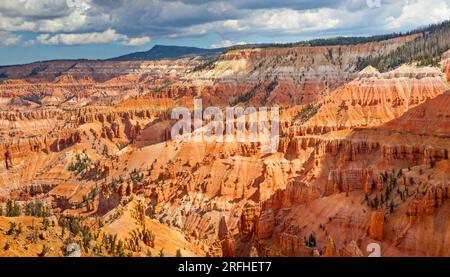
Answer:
[(311, 240), (12, 228), (9, 208), (105, 151), (120, 249), (16, 210)]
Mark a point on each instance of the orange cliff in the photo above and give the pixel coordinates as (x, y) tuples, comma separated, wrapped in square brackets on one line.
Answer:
[(375, 98), (284, 76)]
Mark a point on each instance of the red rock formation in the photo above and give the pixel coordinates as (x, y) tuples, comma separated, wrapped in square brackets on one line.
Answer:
[(249, 217), (373, 100), (428, 201), (227, 241), (265, 225), (295, 193), (376, 225), (350, 180), (293, 246), (330, 249), (351, 250)]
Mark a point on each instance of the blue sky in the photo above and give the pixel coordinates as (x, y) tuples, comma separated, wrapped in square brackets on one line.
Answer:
[(33, 30)]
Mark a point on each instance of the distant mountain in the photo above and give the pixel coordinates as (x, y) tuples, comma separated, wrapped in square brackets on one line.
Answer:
[(161, 52)]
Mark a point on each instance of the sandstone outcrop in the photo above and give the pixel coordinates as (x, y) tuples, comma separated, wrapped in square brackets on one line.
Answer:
[(376, 225), (248, 219), (351, 250), (377, 99), (228, 244), (330, 249)]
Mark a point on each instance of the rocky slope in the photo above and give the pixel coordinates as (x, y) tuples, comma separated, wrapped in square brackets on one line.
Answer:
[(374, 98), (98, 70), (364, 187), (291, 75)]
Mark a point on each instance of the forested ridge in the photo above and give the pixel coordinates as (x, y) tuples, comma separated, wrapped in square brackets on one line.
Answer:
[(426, 49)]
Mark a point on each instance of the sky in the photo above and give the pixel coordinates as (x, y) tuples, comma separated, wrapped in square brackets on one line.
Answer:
[(36, 30)]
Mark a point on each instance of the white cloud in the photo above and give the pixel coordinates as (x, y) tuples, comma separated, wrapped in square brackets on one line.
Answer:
[(108, 36), (227, 43), (136, 41), (280, 21), (134, 22), (41, 16), (8, 39), (232, 24), (413, 13), (297, 21)]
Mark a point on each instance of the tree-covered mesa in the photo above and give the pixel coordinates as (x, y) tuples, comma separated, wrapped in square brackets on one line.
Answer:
[(323, 42), (426, 49), (341, 40)]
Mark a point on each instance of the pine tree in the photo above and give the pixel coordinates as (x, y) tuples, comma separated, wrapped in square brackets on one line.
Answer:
[(105, 151), (112, 243), (120, 249), (12, 228), (311, 240), (45, 223), (16, 210), (9, 208)]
